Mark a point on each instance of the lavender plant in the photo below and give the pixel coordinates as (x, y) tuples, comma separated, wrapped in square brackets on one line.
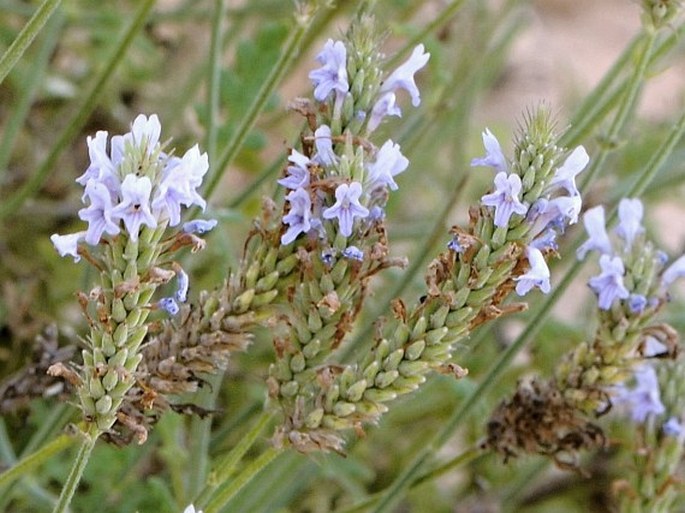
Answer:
[(501, 250), (300, 290), (134, 193)]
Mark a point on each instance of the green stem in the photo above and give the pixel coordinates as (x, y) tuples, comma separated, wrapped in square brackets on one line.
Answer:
[(440, 20), (36, 459), (28, 90), (214, 78), (56, 421), (625, 109), (462, 459), (26, 36), (79, 119), (76, 472), (200, 435), (233, 487), (225, 468), (585, 117), (290, 51), (658, 159)]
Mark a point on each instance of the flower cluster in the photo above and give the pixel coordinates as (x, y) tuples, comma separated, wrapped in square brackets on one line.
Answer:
[(358, 179), (134, 184), (333, 217), (133, 194), (611, 369), (544, 210), (467, 285), (655, 448), (616, 285)]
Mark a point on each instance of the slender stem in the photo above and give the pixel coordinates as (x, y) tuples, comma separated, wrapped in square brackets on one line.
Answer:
[(28, 90), (76, 472), (586, 114), (214, 78), (57, 419), (441, 19), (232, 487), (227, 465), (625, 109), (459, 460), (290, 51), (12, 203), (200, 435), (26, 36), (36, 459), (658, 159)]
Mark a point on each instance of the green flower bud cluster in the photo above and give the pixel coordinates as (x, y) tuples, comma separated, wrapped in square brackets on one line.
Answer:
[(204, 335), (117, 312), (365, 73), (465, 289), (659, 13), (592, 368), (653, 481), (321, 307)]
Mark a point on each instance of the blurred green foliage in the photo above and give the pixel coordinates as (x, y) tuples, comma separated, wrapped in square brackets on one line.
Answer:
[(165, 70)]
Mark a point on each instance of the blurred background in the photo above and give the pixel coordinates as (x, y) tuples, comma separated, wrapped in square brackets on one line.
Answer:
[(490, 62)]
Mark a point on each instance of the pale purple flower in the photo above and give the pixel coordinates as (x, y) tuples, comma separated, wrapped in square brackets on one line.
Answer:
[(68, 244), (169, 305), (389, 163), (505, 198), (134, 208), (673, 427), (145, 132), (454, 245), (675, 270), (547, 240), (346, 207), (565, 176), (102, 168), (609, 284), (652, 347), (328, 256), (376, 213), (182, 284), (353, 253), (98, 214), (630, 212), (596, 230), (384, 106), (537, 276), (644, 398), (299, 216), (493, 153), (191, 509), (324, 147), (637, 303), (332, 76), (199, 226), (180, 179), (298, 173), (557, 212), (403, 76)]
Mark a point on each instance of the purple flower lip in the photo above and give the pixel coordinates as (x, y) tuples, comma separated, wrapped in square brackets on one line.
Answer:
[(505, 198), (346, 207)]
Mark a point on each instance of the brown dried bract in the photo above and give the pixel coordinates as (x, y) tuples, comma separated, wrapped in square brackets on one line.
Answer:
[(538, 420)]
